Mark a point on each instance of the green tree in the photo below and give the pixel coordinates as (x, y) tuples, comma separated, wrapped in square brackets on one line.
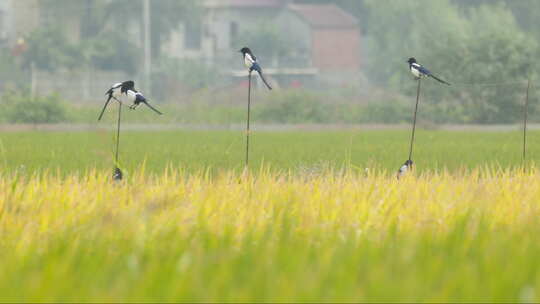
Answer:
[(271, 43), (166, 15), (472, 45), (104, 42), (49, 50)]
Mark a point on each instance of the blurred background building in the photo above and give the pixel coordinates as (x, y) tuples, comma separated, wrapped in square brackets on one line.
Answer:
[(348, 53), (297, 44)]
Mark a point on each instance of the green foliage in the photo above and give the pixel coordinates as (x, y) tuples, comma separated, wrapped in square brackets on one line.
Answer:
[(189, 75), (294, 106), (473, 45), (21, 108), (389, 112), (49, 50), (111, 51), (166, 15), (11, 75), (269, 41), (104, 43)]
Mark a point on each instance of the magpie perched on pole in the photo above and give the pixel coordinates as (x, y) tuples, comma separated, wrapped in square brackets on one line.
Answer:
[(250, 61), (407, 166), (115, 92), (136, 98), (419, 71)]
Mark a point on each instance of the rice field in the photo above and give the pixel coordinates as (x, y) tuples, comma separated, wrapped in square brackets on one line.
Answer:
[(79, 152), (290, 229)]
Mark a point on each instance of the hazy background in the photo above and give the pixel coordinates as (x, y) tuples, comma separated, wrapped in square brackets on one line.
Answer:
[(330, 62)]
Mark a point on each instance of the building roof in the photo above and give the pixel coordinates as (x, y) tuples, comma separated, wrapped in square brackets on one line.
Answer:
[(324, 15)]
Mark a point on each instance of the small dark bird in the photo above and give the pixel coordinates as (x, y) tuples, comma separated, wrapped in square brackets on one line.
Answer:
[(419, 71), (115, 92), (137, 98), (407, 166), (117, 174), (250, 61)]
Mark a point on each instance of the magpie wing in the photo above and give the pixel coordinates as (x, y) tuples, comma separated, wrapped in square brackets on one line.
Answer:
[(127, 85), (114, 86), (423, 70)]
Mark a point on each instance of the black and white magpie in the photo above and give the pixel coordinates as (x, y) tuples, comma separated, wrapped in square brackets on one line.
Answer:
[(405, 168), (419, 71), (136, 98), (115, 92), (250, 61)]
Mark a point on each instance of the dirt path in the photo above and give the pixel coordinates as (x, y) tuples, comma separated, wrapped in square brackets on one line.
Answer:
[(259, 127)]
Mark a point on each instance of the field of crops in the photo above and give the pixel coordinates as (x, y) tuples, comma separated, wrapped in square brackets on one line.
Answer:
[(73, 152), (309, 224)]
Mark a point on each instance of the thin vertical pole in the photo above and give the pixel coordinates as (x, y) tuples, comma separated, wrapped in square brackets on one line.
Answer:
[(414, 119), (248, 118), (525, 110), (118, 133), (117, 175)]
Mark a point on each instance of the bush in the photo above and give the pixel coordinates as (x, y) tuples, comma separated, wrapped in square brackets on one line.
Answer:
[(385, 112), (21, 108), (294, 106)]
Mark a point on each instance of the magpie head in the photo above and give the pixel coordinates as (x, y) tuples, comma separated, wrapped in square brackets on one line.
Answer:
[(411, 60), (245, 50), (129, 84), (409, 163)]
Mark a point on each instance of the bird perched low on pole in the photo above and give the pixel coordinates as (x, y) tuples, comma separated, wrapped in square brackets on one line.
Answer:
[(419, 71), (406, 167)]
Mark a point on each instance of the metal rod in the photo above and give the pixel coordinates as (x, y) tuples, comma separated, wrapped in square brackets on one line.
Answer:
[(414, 118), (248, 118), (525, 110), (118, 133)]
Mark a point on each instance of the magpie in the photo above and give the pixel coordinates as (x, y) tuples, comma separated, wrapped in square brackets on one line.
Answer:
[(116, 91), (117, 174), (405, 168), (250, 61), (419, 71), (137, 98)]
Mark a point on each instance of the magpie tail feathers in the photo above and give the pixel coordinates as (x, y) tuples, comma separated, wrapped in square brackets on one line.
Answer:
[(104, 107), (438, 79), (264, 80), (152, 108)]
